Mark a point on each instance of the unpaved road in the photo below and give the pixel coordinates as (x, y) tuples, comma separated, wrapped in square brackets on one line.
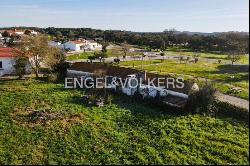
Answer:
[(238, 102)]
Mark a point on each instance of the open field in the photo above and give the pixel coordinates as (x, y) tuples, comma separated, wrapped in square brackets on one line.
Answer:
[(243, 60), (224, 75), (83, 55), (125, 132), (113, 51)]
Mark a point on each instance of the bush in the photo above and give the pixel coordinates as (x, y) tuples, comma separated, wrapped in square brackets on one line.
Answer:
[(61, 70), (203, 100), (108, 98), (20, 66), (53, 77)]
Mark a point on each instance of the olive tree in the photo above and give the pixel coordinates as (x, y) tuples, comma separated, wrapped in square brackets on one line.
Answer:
[(39, 52)]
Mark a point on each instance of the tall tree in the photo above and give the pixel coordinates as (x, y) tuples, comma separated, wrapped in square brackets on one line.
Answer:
[(6, 34), (37, 48), (125, 48), (71, 35), (58, 34)]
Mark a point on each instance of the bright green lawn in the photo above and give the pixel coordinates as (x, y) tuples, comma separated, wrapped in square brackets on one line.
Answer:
[(83, 55), (122, 133)]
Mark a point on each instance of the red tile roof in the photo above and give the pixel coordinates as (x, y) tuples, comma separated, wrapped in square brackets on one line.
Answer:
[(6, 53), (77, 42), (14, 30), (12, 52)]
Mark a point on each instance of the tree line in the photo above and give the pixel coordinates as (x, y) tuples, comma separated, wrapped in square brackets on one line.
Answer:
[(226, 42)]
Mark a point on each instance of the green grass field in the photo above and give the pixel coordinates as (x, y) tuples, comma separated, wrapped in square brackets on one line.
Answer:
[(125, 132), (110, 53), (243, 60), (83, 55), (224, 74)]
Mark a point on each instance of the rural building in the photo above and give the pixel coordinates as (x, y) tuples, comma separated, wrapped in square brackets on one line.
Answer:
[(7, 61), (92, 45), (77, 45), (17, 31)]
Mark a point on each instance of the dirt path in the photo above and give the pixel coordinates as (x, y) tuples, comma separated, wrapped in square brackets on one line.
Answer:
[(238, 102)]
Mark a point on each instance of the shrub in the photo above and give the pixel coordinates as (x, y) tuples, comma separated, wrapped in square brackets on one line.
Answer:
[(108, 98), (53, 77), (92, 98), (20, 66), (61, 70), (203, 100)]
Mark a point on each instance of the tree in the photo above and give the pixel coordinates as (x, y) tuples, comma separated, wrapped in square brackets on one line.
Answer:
[(125, 48), (6, 34), (235, 48), (37, 48), (27, 32), (71, 34), (117, 60), (162, 55), (115, 52), (20, 66), (195, 57), (234, 57), (58, 35), (163, 45), (61, 66)]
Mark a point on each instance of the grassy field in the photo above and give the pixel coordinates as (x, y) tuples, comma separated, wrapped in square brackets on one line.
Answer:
[(224, 74), (243, 60), (110, 53), (83, 55), (125, 132)]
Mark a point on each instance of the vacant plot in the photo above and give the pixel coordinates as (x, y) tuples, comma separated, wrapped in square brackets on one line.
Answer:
[(226, 75), (243, 60), (111, 52), (43, 123), (83, 55)]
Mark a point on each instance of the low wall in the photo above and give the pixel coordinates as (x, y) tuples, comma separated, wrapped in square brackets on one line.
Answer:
[(122, 72)]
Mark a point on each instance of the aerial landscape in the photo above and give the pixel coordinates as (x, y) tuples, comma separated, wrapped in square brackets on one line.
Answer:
[(130, 82)]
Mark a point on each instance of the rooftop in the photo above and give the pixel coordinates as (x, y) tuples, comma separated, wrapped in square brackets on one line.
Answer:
[(6, 52)]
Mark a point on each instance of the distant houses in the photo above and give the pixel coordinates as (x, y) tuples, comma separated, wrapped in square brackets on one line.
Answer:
[(17, 32), (77, 45), (13, 35)]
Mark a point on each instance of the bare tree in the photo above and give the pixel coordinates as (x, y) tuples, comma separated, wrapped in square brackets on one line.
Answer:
[(235, 49), (125, 48), (234, 57)]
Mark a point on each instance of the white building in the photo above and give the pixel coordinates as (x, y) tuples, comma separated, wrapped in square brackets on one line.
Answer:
[(75, 45), (18, 31), (92, 45), (7, 61)]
